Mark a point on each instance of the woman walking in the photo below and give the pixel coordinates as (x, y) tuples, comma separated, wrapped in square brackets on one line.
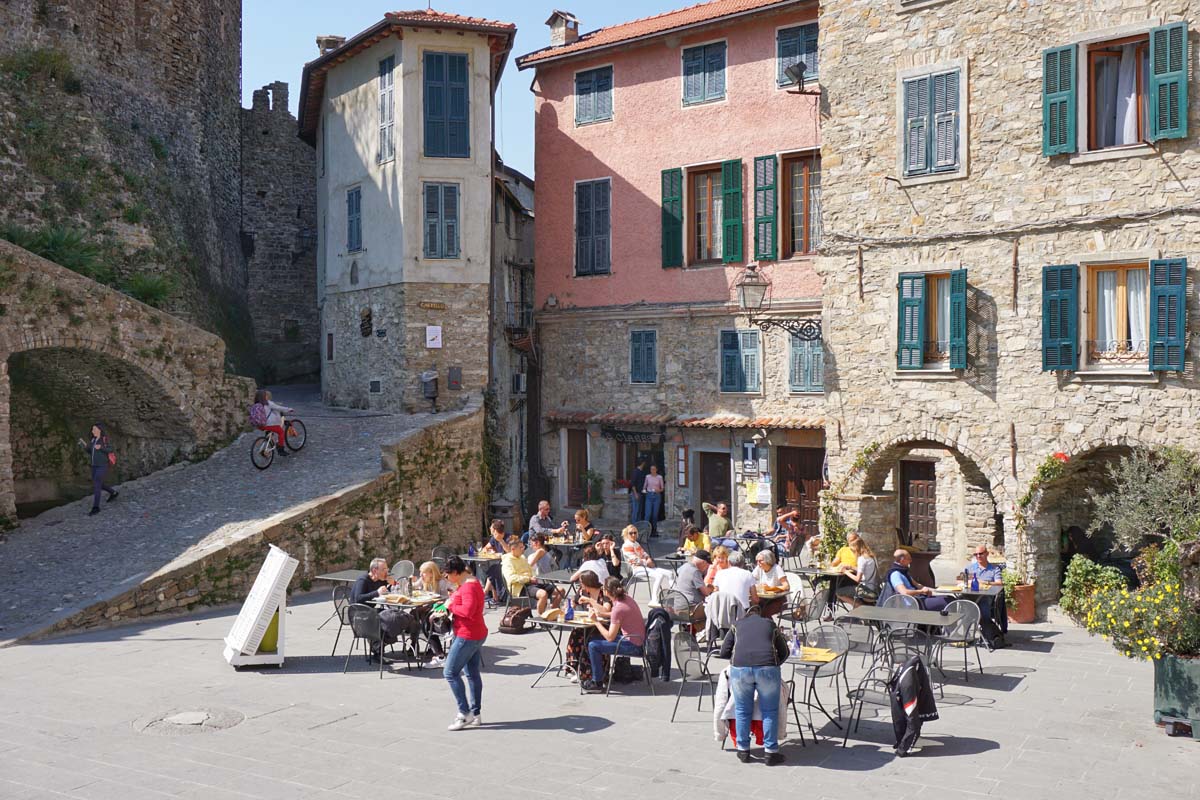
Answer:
[(470, 631), (99, 450)]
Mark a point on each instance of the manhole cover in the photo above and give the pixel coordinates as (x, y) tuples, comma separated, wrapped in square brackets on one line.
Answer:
[(183, 722)]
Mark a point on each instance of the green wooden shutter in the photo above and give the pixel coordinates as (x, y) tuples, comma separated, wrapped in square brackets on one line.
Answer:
[(693, 75), (731, 209), (788, 43), (601, 227), (672, 217), (1058, 100), (910, 354), (796, 376), (714, 71), (584, 252), (732, 379), (958, 319), (637, 365), (1060, 318), (916, 126), (765, 182), (1168, 82), (585, 98), (650, 355), (944, 136), (748, 345), (807, 372), (602, 90), (458, 106), (435, 104), (1168, 314), (816, 366)]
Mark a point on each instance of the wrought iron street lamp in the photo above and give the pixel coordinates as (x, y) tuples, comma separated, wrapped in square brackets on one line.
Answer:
[(752, 292)]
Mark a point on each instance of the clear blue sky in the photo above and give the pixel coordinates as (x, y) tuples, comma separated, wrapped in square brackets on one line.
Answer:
[(278, 37)]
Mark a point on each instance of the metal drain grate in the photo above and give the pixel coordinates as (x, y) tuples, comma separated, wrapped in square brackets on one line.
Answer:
[(186, 722)]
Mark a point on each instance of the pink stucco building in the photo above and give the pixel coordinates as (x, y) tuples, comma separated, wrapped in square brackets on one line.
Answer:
[(674, 153)]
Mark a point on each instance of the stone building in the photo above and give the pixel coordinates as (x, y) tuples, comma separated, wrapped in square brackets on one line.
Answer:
[(676, 156), (1008, 217), (513, 358), (400, 116)]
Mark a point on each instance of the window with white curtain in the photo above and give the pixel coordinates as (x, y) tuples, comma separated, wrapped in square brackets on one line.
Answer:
[(1119, 306), (937, 319), (707, 217), (1117, 74)]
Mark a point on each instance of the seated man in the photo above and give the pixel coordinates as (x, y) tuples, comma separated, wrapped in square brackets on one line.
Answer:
[(694, 539), (990, 609), (542, 522), (899, 582), (738, 581), (373, 583), (394, 622), (689, 581)]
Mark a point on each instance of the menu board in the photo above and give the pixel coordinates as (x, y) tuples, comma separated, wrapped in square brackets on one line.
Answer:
[(264, 600)]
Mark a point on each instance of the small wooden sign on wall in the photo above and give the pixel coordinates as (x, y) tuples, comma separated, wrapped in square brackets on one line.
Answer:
[(430, 306)]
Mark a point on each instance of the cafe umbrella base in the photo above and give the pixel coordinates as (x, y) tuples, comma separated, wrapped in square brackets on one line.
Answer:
[(1177, 691)]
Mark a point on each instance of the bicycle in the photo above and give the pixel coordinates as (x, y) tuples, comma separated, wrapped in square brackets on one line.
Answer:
[(262, 451)]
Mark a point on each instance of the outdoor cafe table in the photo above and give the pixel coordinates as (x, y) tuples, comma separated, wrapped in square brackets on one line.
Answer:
[(557, 629), (800, 662), (675, 560), (905, 616), (970, 594), (341, 576)]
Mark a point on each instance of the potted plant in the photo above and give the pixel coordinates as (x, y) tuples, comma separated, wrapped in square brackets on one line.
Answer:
[(595, 493), (1155, 498)]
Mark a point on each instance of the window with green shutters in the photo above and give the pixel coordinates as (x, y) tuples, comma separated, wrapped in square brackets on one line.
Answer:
[(592, 228), (354, 220), (931, 124), (1060, 318), (672, 217), (441, 220), (1168, 314), (807, 372), (931, 323), (704, 73), (795, 46), (447, 105), (731, 211), (740, 370), (765, 203), (643, 356), (1168, 82), (1058, 100), (593, 95)]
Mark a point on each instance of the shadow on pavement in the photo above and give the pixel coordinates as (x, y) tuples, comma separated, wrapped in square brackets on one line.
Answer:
[(572, 723)]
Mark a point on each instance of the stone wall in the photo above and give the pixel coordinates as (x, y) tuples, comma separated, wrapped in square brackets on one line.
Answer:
[(1012, 213), (379, 335), (86, 353), (430, 493), (279, 233)]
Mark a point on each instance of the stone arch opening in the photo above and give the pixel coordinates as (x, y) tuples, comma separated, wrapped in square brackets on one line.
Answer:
[(57, 393)]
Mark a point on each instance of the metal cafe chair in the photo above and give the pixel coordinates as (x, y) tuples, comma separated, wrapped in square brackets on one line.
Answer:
[(364, 624), (341, 599), (964, 633), (693, 668)]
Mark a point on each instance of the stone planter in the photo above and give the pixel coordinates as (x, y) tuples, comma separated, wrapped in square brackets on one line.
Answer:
[(594, 511), (1026, 604), (1177, 690)]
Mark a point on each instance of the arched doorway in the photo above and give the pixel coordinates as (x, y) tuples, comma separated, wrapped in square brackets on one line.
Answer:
[(57, 393)]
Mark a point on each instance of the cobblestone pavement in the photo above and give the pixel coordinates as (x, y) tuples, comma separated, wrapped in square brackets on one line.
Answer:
[(63, 560), (1059, 715)]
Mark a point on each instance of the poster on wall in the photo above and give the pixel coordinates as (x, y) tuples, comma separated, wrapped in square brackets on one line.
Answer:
[(763, 495)]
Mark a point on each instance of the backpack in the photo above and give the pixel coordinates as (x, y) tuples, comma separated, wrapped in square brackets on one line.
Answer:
[(514, 619), (112, 459), (258, 415)]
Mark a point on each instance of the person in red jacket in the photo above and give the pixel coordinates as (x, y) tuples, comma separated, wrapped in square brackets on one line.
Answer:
[(470, 631)]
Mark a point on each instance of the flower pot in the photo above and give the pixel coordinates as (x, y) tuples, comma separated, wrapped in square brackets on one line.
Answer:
[(594, 510), (1025, 603), (1177, 690)]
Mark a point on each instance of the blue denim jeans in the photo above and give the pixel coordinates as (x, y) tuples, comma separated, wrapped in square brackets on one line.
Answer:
[(464, 655), (599, 648), (744, 681), (635, 507), (653, 506)]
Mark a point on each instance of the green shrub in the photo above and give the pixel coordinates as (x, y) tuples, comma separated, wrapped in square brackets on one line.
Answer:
[(1085, 578), (157, 147), (153, 290), (44, 63), (67, 247), (135, 213)]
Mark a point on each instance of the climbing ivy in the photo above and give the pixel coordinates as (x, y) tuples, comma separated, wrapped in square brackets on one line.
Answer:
[(834, 530)]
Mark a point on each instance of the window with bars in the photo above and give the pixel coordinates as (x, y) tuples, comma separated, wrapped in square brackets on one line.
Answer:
[(447, 105), (932, 122), (593, 235), (643, 356), (740, 361), (796, 45), (441, 220), (354, 219), (387, 109), (704, 73), (593, 95)]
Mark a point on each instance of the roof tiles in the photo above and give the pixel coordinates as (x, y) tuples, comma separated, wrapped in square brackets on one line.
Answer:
[(431, 17)]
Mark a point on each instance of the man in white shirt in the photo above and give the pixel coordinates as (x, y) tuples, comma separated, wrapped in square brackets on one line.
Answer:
[(543, 523), (738, 581)]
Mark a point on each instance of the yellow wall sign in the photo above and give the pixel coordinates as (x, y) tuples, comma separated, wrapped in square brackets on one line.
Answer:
[(428, 306)]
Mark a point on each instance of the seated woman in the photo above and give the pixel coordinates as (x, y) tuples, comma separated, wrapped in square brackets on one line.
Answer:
[(720, 561), (591, 597), (643, 565), (583, 525), (865, 575), (623, 634), (430, 579), (768, 575)]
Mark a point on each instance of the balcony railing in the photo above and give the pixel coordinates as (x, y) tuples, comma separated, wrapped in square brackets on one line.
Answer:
[(519, 316), (1126, 351), (936, 351)]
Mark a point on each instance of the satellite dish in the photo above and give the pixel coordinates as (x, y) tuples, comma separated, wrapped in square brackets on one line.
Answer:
[(795, 73)]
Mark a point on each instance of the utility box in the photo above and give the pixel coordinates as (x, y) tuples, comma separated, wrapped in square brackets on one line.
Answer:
[(429, 384), (454, 379)]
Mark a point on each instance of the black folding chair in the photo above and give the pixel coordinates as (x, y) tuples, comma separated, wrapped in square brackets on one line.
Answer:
[(341, 599), (364, 624)]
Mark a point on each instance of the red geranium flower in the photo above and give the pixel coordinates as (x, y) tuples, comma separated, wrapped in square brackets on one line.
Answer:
[(1063, 457)]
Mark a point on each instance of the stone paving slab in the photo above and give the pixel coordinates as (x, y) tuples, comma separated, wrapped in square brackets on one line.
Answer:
[(68, 727), (63, 560)]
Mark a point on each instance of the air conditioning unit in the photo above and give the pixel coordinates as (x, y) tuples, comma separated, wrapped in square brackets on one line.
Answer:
[(518, 383)]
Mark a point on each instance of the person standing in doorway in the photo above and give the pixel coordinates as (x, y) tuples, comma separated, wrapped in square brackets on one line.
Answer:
[(470, 632), (100, 458), (636, 499), (652, 491)]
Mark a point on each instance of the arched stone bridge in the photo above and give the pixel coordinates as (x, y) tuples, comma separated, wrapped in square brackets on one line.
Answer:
[(73, 352)]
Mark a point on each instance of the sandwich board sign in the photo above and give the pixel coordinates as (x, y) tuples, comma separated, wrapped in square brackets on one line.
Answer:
[(265, 608)]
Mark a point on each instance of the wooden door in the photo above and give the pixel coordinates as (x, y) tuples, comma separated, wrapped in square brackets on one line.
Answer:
[(577, 464), (799, 479), (714, 479), (918, 501)]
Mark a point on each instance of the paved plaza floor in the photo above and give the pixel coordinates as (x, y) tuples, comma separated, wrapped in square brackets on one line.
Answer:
[(1059, 715)]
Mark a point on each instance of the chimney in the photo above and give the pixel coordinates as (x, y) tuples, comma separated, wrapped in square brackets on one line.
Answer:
[(328, 43), (564, 28)]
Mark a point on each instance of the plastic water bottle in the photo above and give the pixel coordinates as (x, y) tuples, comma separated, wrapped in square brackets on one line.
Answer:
[(796, 647), (570, 610), (974, 581), (471, 550)]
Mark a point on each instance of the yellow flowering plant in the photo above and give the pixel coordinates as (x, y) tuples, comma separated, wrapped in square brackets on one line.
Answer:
[(1145, 623)]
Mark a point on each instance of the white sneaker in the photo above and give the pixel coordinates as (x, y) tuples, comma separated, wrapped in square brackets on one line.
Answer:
[(475, 721), (436, 661), (460, 722)]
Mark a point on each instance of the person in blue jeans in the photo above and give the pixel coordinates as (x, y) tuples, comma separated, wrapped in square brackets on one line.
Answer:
[(624, 634), (636, 498), (652, 492), (98, 449), (470, 632), (756, 648)]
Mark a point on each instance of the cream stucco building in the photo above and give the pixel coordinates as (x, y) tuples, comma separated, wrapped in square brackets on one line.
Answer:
[(401, 118)]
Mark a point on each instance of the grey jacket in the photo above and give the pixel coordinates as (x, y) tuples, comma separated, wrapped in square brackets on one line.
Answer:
[(98, 457)]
